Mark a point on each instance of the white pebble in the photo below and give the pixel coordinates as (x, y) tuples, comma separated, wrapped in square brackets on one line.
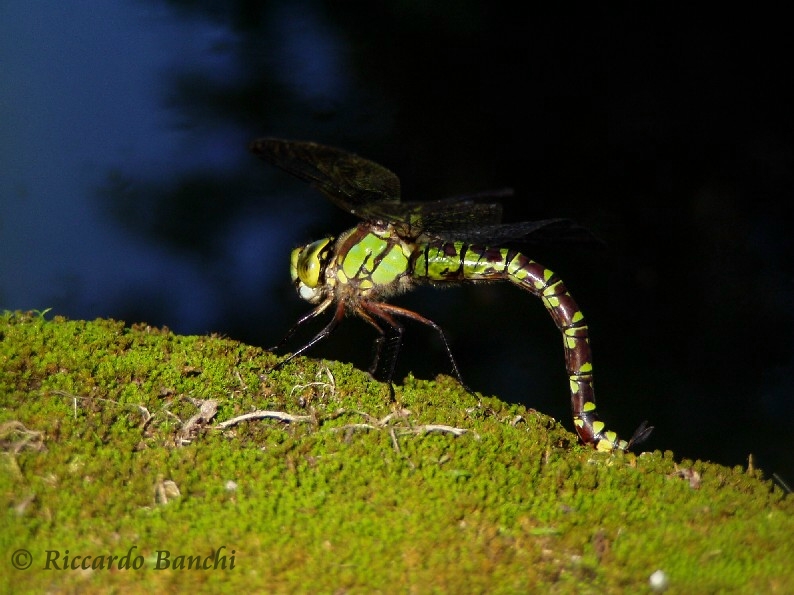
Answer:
[(659, 581)]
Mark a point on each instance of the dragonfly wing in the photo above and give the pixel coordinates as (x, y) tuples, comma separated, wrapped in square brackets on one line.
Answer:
[(372, 192), (349, 181), (462, 219), (528, 232), (440, 218)]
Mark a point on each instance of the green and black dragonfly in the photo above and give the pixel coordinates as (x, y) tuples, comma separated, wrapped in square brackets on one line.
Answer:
[(400, 244)]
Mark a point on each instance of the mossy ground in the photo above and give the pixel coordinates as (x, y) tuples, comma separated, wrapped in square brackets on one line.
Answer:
[(112, 439)]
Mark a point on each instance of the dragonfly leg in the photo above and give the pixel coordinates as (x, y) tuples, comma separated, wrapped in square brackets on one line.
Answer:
[(397, 311), (301, 321), (387, 345), (327, 330)]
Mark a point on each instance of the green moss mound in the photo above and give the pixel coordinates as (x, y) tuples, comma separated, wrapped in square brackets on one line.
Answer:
[(188, 458)]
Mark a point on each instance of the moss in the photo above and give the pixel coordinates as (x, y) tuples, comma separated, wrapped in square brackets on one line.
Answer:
[(114, 441)]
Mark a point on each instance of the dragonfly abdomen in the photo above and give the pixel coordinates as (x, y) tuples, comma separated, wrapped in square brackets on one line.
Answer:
[(459, 261)]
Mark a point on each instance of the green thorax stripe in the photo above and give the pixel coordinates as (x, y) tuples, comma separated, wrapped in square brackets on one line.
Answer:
[(371, 256)]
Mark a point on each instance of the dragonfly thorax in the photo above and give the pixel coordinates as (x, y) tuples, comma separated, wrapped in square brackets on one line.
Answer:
[(367, 262), (307, 268), (371, 262)]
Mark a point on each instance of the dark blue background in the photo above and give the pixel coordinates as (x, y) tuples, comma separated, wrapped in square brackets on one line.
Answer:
[(127, 190)]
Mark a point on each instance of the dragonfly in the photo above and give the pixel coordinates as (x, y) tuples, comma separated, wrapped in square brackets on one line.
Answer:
[(399, 245)]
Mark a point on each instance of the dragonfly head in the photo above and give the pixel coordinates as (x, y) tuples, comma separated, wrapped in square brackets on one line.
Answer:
[(307, 267)]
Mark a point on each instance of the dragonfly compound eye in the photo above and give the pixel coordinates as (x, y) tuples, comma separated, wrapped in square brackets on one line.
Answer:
[(308, 262)]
